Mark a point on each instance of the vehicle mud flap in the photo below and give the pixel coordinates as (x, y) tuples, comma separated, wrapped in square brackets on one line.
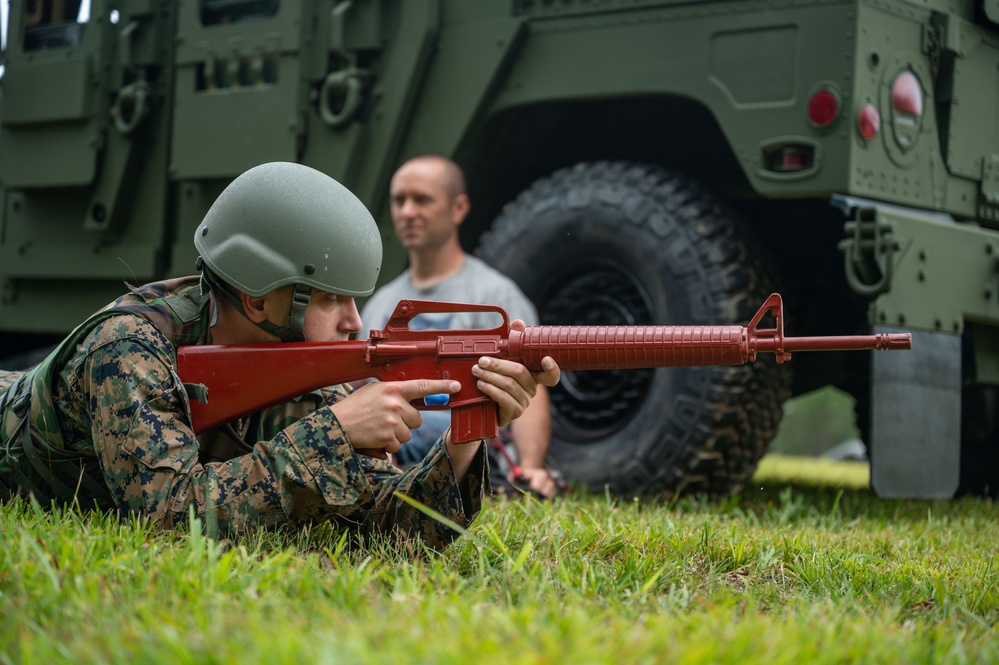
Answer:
[(916, 418)]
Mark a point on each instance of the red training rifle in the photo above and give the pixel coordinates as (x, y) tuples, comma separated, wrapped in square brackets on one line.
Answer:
[(232, 381)]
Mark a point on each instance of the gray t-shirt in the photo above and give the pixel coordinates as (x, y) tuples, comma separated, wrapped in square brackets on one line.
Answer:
[(475, 282)]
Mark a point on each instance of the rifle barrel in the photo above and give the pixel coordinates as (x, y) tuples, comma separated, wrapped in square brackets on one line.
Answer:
[(878, 342)]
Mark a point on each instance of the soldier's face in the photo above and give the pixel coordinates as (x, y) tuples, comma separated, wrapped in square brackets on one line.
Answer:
[(330, 317)]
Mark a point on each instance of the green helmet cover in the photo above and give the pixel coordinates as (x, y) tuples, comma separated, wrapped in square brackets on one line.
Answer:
[(282, 223)]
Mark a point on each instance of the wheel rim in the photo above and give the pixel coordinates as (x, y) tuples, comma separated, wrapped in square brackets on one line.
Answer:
[(588, 406)]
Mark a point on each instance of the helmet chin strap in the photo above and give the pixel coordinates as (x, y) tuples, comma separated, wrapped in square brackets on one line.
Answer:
[(294, 323)]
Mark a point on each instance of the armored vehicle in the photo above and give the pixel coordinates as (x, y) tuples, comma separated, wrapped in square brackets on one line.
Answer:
[(629, 161)]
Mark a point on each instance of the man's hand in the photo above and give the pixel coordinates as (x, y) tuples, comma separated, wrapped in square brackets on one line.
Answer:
[(538, 479), (378, 417), (512, 386)]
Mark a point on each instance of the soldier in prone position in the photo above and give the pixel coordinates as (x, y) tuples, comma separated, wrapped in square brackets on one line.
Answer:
[(284, 250)]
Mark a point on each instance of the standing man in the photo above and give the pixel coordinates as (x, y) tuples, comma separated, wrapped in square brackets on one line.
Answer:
[(429, 202), (105, 420)]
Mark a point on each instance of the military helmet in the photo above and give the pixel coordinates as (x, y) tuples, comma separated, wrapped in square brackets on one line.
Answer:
[(282, 223)]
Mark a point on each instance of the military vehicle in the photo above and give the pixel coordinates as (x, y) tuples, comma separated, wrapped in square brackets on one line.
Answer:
[(629, 161)]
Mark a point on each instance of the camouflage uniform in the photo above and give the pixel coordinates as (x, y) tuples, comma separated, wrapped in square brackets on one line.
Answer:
[(122, 414)]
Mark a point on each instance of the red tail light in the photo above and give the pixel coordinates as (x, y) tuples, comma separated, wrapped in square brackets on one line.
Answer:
[(823, 107), (907, 109), (906, 95), (868, 121)]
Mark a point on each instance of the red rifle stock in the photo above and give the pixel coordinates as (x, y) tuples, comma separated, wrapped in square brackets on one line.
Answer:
[(233, 381)]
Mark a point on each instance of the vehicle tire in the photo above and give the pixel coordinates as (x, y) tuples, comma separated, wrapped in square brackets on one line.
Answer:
[(629, 244)]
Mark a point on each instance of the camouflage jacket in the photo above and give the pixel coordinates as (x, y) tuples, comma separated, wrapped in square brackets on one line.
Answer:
[(117, 409)]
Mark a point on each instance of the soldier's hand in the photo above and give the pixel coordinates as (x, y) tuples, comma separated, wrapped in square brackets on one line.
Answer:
[(511, 385), (378, 417)]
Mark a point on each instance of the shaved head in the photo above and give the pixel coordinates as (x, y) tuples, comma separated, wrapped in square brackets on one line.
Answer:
[(452, 178)]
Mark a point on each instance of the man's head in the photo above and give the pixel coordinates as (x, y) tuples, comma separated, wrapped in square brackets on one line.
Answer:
[(428, 203), (284, 228)]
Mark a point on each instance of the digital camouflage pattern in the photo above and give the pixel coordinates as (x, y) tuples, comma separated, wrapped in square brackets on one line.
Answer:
[(120, 406)]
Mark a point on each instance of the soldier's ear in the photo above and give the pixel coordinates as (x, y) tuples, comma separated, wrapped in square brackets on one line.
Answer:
[(254, 307)]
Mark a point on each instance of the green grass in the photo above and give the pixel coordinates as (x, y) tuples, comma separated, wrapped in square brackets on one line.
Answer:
[(775, 468), (815, 422), (802, 571)]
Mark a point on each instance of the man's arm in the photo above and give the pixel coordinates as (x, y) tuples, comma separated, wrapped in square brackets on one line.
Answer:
[(532, 432), (526, 399), (532, 435)]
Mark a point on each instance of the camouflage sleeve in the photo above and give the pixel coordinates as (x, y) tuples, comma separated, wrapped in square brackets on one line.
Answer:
[(307, 472), (7, 379), (431, 483)]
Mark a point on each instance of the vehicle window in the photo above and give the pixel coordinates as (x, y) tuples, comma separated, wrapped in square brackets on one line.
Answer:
[(221, 12), (52, 24)]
